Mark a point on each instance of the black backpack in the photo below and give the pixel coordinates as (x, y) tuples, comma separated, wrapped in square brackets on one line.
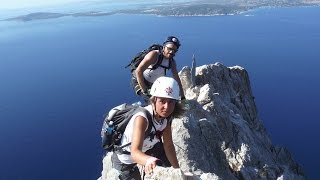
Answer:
[(139, 57), (121, 116)]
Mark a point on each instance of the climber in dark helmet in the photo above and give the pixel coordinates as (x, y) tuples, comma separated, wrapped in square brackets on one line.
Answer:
[(155, 64), (156, 148)]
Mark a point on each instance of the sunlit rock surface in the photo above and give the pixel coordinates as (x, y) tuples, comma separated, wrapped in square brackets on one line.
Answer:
[(221, 135)]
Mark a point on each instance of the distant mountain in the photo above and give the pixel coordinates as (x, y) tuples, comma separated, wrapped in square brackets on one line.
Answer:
[(179, 8)]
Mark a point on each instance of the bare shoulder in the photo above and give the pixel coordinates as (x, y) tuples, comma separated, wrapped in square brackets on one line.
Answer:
[(152, 56), (140, 122)]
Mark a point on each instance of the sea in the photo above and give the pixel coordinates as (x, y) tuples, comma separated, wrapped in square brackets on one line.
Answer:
[(59, 77)]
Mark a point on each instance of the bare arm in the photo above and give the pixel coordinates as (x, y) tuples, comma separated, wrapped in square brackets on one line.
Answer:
[(176, 77), (139, 127), (140, 124), (148, 60), (169, 147)]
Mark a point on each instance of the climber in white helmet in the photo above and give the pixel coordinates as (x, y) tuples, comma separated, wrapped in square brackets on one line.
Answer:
[(156, 148)]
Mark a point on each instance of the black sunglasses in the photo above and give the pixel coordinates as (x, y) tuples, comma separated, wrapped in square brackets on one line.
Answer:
[(172, 49)]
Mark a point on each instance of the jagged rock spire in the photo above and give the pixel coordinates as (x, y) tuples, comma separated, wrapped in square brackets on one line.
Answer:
[(221, 136)]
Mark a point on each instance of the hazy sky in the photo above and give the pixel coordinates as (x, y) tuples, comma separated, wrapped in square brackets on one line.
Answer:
[(18, 4)]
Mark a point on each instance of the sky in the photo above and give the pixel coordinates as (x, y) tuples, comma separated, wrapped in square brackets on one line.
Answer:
[(10, 8), (19, 4)]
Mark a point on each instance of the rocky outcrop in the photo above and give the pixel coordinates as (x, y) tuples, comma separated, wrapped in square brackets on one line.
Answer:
[(221, 136)]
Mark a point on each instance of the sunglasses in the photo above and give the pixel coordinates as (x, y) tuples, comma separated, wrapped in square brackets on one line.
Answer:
[(172, 49)]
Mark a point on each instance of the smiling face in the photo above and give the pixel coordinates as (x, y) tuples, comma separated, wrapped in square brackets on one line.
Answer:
[(169, 50), (164, 107)]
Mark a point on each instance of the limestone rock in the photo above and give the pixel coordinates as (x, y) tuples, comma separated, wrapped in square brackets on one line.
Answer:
[(221, 136)]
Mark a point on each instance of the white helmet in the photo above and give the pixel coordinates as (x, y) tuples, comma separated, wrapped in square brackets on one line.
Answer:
[(165, 87)]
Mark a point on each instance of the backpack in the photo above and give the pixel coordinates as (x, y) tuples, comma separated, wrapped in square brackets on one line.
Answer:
[(139, 57), (120, 116)]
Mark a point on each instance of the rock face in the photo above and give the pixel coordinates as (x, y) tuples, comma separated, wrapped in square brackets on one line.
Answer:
[(221, 136)]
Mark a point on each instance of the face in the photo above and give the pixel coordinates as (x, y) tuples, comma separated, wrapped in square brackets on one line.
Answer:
[(164, 106), (169, 50)]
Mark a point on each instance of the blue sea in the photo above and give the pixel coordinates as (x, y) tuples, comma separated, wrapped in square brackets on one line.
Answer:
[(58, 77)]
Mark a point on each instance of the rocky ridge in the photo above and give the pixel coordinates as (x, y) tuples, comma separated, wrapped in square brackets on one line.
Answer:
[(222, 136)]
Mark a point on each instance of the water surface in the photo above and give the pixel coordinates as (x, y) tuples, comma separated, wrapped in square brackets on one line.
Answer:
[(59, 76)]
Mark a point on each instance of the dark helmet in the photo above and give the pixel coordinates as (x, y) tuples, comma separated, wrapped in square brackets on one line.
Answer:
[(174, 40)]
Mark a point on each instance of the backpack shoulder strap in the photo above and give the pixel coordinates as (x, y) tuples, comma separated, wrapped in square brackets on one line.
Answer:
[(149, 118), (158, 63), (150, 125), (139, 57), (164, 67)]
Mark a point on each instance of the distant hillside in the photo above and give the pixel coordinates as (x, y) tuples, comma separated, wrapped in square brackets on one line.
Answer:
[(48, 15), (180, 8), (190, 10), (215, 7)]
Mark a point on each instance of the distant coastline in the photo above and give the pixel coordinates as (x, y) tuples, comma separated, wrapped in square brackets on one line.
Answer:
[(179, 9), (49, 15)]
